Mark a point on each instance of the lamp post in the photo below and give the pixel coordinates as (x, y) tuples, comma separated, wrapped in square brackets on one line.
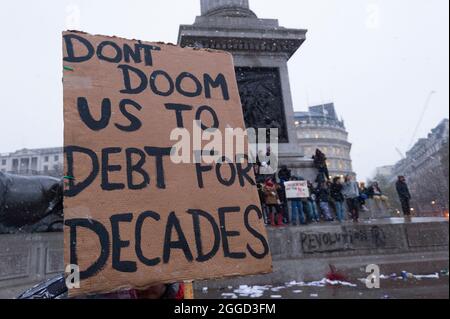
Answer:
[(435, 210)]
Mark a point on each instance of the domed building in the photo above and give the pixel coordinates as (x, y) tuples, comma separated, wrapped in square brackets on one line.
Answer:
[(320, 128)]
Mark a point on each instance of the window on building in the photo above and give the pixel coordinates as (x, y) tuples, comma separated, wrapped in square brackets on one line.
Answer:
[(46, 159), (56, 158), (15, 164), (3, 162)]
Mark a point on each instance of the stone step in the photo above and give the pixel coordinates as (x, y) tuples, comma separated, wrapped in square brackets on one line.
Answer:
[(305, 253)]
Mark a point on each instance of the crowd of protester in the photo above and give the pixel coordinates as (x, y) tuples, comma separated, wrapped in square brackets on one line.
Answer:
[(330, 198), (328, 201)]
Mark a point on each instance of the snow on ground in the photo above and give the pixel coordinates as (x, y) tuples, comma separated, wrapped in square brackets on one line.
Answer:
[(229, 296), (258, 291), (434, 276), (245, 291), (322, 283), (405, 276), (252, 292)]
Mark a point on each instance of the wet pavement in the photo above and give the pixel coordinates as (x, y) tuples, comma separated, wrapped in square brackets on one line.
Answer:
[(390, 288)]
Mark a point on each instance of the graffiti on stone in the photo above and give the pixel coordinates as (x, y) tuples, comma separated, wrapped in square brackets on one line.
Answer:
[(346, 239)]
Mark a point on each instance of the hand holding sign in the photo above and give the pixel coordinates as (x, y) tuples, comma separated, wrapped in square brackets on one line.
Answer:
[(133, 217)]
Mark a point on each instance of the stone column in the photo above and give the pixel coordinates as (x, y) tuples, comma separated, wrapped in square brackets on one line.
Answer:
[(258, 46), (212, 5)]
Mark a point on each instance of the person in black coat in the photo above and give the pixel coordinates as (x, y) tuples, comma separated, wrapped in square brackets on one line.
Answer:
[(320, 162), (311, 203), (338, 198), (404, 195), (374, 190), (323, 196), (284, 175), (283, 199)]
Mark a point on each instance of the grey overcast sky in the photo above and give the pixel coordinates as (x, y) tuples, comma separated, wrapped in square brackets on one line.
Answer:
[(376, 59)]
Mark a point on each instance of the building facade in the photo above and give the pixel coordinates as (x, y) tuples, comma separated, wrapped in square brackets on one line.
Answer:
[(425, 173), (320, 128), (43, 161)]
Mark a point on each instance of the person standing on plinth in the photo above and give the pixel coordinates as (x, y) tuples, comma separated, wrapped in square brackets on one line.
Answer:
[(284, 175), (350, 191), (320, 162), (404, 195), (338, 198), (272, 201), (323, 194)]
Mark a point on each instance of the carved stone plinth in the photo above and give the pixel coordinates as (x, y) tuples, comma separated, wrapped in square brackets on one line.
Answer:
[(261, 50)]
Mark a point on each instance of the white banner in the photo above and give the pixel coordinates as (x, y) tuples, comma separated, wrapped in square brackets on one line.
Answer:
[(297, 189)]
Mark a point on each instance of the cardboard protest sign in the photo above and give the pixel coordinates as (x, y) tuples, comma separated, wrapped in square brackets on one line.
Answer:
[(133, 217), (297, 189)]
